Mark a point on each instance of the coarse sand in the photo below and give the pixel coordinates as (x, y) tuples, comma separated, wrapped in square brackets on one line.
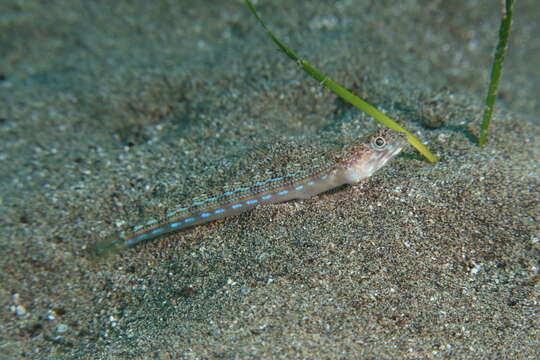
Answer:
[(114, 112)]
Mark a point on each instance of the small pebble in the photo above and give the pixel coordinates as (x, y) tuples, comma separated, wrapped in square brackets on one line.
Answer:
[(20, 310), (61, 328)]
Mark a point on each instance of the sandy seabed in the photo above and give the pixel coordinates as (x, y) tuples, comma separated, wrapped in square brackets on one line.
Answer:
[(114, 112)]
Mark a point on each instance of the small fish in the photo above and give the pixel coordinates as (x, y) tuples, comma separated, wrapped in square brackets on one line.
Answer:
[(353, 163)]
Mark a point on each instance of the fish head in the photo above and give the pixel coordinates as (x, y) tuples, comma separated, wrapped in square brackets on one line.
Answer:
[(367, 156)]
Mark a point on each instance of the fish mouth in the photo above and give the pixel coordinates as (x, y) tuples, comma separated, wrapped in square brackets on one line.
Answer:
[(397, 149), (391, 151), (381, 158)]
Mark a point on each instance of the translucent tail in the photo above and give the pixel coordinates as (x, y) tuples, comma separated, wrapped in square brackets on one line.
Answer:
[(110, 245)]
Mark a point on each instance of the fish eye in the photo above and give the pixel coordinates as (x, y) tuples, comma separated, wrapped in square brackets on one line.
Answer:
[(379, 143)]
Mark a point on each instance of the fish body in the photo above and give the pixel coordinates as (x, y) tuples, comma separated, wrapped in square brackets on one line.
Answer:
[(352, 164)]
